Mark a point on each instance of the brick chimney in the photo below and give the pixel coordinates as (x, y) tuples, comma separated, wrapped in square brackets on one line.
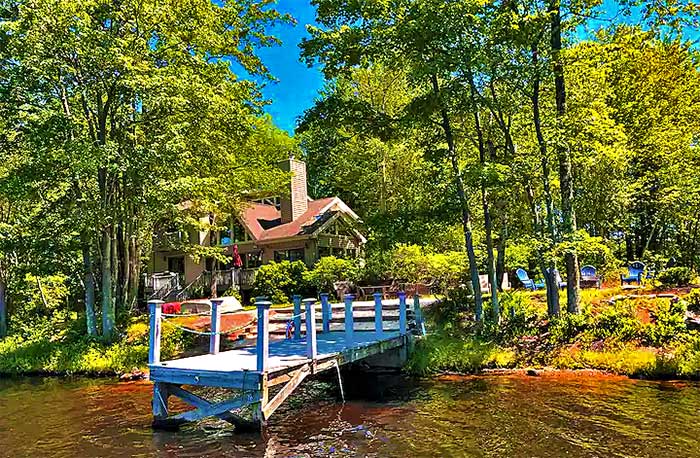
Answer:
[(297, 203)]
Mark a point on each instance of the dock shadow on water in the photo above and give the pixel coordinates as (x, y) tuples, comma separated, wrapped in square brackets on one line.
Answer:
[(385, 415)]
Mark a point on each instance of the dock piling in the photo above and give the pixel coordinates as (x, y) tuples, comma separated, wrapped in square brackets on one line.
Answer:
[(310, 328), (326, 313), (296, 299), (263, 339), (215, 338), (349, 320), (155, 309), (378, 325)]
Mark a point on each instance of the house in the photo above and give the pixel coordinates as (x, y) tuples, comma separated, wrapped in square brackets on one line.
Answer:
[(293, 227)]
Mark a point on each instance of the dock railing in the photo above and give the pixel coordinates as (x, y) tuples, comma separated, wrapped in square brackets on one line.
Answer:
[(309, 314)]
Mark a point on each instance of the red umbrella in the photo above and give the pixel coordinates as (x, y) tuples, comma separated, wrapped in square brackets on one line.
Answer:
[(237, 261)]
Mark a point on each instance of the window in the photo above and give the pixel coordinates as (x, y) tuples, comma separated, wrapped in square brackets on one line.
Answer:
[(252, 260), (177, 264), (324, 251), (238, 233), (225, 238), (289, 255)]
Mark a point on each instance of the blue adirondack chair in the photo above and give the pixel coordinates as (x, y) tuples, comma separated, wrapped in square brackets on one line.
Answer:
[(589, 277), (635, 271), (526, 281)]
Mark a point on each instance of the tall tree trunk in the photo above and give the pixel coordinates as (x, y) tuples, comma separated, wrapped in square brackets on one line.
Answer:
[(3, 304), (464, 203), (88, 286), (549, 270), (488, 225), (566, 184), (108, 311)]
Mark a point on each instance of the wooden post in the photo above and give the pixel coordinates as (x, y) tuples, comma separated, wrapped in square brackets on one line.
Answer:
[(263, 339), (418, 315), (402, 312), (155, 309), (310, 328), (349, 320), (297, 316), (215, 338), (326, 312), (378, 328)]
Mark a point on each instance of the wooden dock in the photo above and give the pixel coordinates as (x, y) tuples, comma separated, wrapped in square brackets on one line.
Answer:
[(251, 372)]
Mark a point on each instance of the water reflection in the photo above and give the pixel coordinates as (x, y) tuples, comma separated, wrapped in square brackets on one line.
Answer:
[(548, 416)]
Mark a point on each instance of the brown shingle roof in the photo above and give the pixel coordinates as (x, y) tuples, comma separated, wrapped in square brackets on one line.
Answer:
[(263, 220)]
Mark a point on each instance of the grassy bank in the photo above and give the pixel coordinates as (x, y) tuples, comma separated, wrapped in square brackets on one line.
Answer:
[(644, 336), (71, 353)]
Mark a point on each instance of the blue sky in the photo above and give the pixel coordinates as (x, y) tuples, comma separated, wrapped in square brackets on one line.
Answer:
[(298, 85)]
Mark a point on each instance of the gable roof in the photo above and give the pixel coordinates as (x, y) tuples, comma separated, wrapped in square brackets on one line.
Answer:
[(264, 221)]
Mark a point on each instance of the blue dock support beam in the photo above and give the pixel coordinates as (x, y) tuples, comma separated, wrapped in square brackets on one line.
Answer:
[(349, 320), (215, 337), (296, 299), (326, 313), (378, 325), (402, 312), (263, 340), (155, 309), (311, 348)]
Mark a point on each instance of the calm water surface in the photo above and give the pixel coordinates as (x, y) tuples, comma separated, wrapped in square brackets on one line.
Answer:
[(549, 416)]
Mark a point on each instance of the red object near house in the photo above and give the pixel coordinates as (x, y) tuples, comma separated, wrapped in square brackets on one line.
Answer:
[(237, 261), (171, 308)]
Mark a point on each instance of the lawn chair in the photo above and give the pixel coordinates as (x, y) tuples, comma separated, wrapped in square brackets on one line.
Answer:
[(635, 271), (484, 285), (527, 282), (589, 277)]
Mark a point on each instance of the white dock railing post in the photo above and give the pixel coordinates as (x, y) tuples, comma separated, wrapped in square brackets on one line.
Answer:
[(296, 299), (262, 348), (349, 320), (155, 309), (378, 325), (215, 337), (418, 315), (402, 312), (326, 312), (310, 328)]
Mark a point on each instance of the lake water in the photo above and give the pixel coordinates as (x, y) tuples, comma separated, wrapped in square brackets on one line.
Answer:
[(498, 416)]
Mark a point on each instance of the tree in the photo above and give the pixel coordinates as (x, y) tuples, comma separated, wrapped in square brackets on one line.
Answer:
[(135, 108)]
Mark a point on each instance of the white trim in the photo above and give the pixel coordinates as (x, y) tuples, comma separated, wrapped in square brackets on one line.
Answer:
[(333, 219), (343, 207)]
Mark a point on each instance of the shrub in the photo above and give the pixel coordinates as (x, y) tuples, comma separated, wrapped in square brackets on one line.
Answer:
[(519, 316), (676, 276), (668, 325), (440, 353), (565, 328), (329, 270), (280, 280), (619, 321), (693, 300), (415, 264)]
